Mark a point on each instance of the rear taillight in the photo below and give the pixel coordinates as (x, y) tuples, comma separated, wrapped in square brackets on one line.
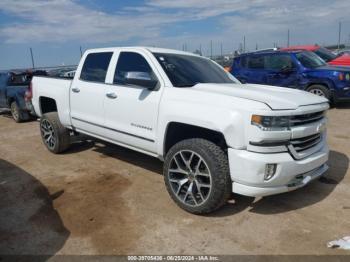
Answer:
[(28, 95)]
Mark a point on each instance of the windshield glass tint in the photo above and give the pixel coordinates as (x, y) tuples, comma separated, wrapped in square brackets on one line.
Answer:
[(187, 70), (325, 54), (310, 60)]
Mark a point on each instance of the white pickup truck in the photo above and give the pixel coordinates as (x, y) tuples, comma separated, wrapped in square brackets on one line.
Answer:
[(215, 135)]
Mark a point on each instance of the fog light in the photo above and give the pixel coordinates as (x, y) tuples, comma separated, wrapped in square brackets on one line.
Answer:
[(270, 170)]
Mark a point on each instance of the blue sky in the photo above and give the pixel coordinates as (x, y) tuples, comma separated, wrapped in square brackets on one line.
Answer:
[(55, 29)]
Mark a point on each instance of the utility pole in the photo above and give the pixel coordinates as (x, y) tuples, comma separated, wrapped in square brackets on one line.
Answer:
[(200, 48), (81, 52), (256, 47), (243, 44), (211, 49), (339, 36), (221, 49), (31, 54), (288, 38)]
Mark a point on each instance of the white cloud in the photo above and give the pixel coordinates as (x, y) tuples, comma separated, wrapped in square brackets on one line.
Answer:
[(262, 21), (65, 20)]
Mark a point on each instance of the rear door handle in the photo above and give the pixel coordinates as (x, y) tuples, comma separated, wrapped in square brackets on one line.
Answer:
[(111, 95), (76, 90)]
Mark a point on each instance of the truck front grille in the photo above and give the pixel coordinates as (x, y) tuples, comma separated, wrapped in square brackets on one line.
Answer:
[(298, 120), (304, 143)]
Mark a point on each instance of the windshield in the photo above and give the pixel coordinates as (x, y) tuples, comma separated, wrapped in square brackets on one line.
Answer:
[(325, 54), (310, 60), (188, 70)]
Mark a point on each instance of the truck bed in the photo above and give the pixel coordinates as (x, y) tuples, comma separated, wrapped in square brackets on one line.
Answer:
[(52, 88)]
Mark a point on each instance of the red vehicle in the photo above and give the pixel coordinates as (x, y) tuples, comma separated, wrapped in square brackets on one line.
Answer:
[(324, 53)]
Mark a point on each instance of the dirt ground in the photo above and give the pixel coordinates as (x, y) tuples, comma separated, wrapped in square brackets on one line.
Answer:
[(99, 198)]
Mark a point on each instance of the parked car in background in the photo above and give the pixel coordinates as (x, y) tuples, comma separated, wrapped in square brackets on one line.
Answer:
[(294, 69), (215, 135), (15, 93), (344, 52), (327, 55), (69, 74), (62, 72)]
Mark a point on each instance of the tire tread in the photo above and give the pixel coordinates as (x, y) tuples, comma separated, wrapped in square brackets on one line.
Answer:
[(62, 132), (221, 190)]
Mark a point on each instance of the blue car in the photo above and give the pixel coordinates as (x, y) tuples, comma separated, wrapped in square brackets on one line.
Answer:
[(15, 93), (294, 69)]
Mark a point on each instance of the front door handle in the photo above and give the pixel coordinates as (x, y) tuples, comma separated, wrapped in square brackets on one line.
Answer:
[(111, 95), (76, 90)]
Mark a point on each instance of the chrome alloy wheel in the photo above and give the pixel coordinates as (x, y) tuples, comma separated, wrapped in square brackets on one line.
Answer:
[(48, 134), (317, 92), (190, 178)]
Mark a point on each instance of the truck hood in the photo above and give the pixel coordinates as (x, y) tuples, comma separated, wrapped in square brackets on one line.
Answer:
[(277, 98)]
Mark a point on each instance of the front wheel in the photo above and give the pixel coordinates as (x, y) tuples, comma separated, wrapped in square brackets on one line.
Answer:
[(196, 175), (319, 90), (54, 135)]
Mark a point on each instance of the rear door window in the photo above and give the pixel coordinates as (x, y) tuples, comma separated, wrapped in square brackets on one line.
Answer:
[(278, 62), (95, 67), (20, 79), (255, 62)]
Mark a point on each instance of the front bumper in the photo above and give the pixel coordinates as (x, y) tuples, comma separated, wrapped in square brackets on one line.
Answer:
[(342, 95), (247, 171)]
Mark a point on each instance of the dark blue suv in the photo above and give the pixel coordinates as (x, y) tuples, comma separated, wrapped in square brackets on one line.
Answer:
[(294, 69), (15, 93)]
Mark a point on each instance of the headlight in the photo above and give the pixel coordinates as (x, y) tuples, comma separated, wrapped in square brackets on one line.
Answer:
[(344, 76), (271, 123), (347, 77)]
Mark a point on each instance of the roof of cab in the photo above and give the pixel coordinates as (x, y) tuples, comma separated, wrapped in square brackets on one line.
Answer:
[(271, 52), (141, 48)]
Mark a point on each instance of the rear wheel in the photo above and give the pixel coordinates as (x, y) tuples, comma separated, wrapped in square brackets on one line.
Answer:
[(17, 114), (54, 135), (319, 90), (196, 175)]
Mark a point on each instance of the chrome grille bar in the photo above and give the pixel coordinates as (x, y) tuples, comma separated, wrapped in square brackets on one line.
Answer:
[(298, 120), (304, 143)]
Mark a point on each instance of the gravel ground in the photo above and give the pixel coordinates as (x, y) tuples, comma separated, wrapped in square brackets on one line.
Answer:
[(99, 198)]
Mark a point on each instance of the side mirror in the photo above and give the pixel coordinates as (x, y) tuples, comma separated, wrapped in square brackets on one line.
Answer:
[(143, 79)]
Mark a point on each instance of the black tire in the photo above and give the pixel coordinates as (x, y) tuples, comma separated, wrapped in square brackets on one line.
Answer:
[(50, 122), (17, 114), (320, 90), (217, 163)]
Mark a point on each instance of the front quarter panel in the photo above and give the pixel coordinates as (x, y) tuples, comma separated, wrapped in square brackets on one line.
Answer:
[(227, 115)]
